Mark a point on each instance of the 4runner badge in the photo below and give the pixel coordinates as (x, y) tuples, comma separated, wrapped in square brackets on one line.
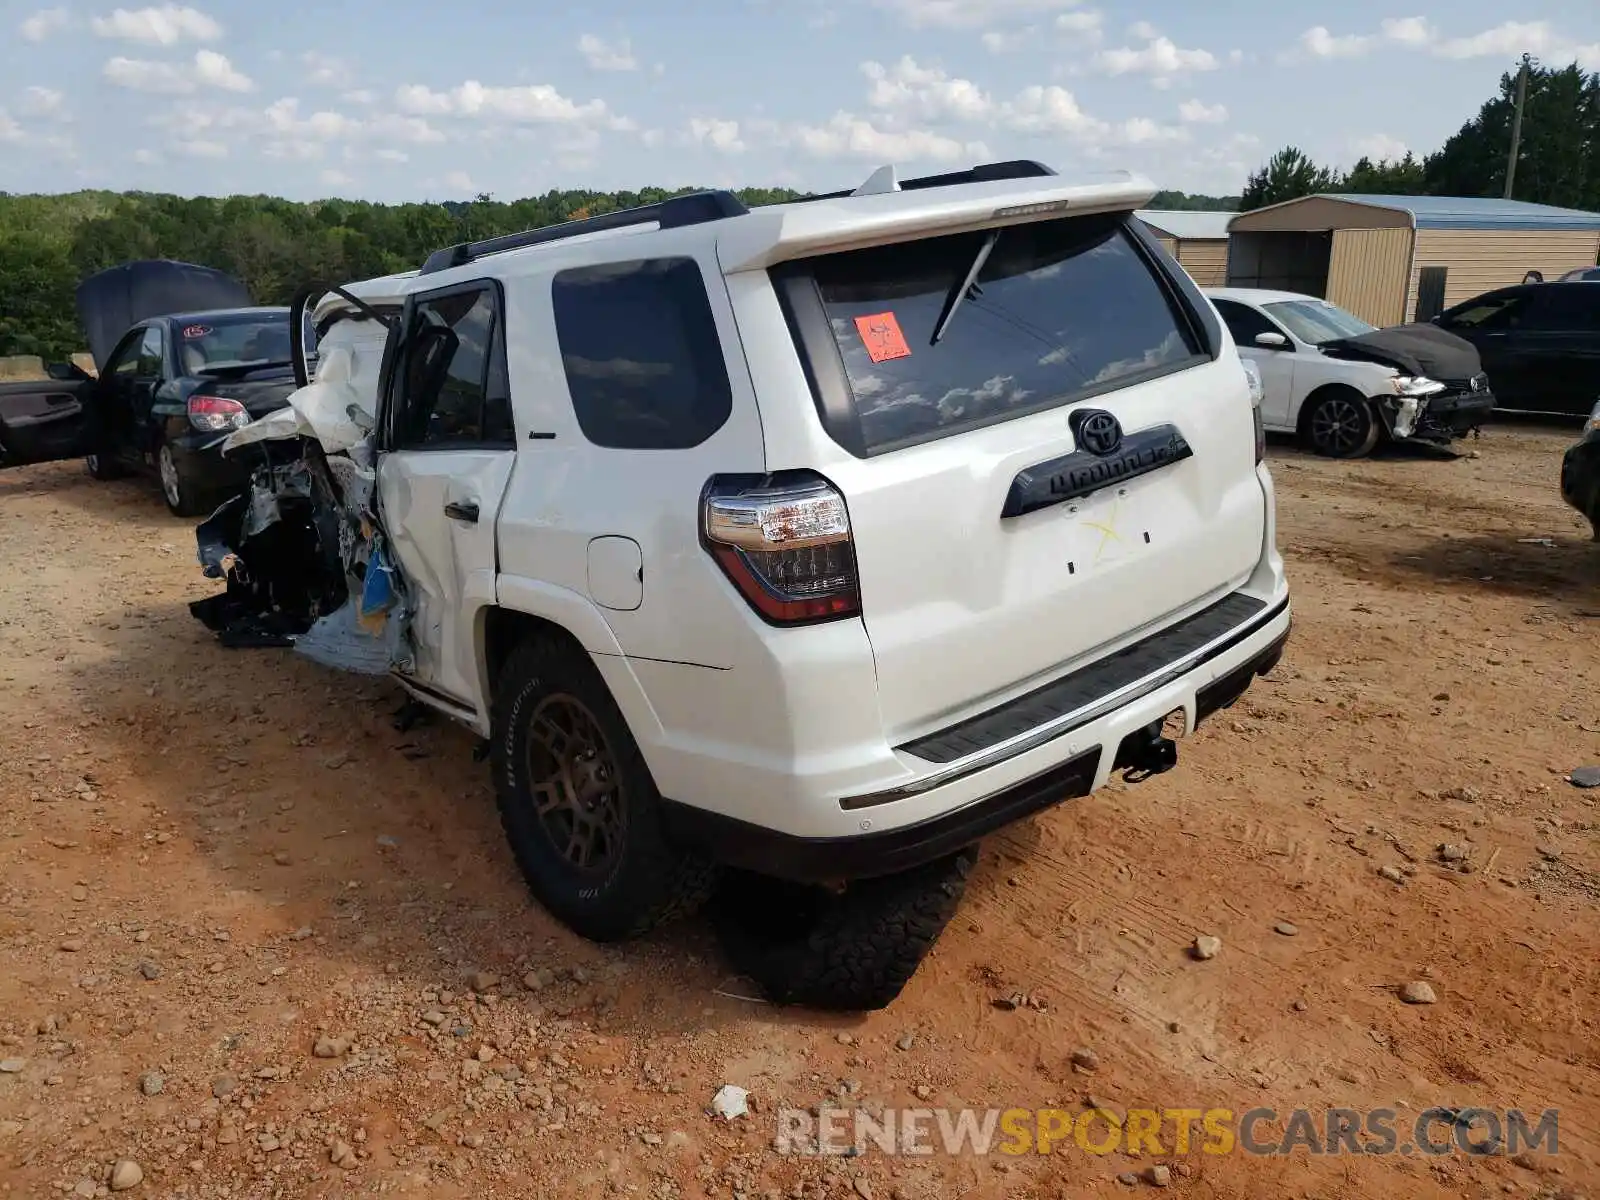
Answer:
[(1088, 469)]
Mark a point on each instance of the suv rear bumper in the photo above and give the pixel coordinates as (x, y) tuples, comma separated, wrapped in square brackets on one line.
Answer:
[(1072, 751)]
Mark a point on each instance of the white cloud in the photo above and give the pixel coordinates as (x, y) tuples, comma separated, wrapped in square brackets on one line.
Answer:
[(325, 69), (216, 71), (208, 69), (718, 134), (139, 75), (460, 181), (1506, 40), (1378, 147), (848, 136), (360, 96), (164, 26), (1197, 112), (10, 130), (201, 148), (1140, 131), (43, 102), (923, 93), (147, 158), (1321, 43), (391, 156), (532, 104), (607, 56), (1050, 110), (1408, 31), (1144, 31), (1160, 58), (970, 14), (1085, 23), (333, 178), (44, 23)]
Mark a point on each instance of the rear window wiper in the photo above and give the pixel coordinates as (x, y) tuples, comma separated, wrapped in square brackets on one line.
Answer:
[(967, 283)]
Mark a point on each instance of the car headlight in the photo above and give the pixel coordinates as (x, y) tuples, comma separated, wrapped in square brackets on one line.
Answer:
[(1593, 423), (1415, 385), (1252, 374)]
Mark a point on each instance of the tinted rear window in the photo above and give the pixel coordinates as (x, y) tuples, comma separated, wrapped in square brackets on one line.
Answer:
[(1060, 310)]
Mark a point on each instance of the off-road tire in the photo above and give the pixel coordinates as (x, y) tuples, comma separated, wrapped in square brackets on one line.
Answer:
[(1349, 405), (651, 881), (844, 952)]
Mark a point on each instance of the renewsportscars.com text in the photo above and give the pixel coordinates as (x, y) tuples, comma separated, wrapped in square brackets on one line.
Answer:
[(1260, 1131)]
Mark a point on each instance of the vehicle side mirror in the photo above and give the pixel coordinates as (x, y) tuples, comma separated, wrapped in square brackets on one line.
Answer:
[(1272, 341), (63, 372)]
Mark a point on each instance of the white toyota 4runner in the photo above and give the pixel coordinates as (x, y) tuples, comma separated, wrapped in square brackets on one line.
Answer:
[(816, 541)]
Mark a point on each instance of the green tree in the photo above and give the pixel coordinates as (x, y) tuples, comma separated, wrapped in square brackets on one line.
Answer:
[(1558, 161), (1403, 177), (1287, 175)]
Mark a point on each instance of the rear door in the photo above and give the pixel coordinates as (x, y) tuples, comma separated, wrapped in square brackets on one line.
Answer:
[(1564, 347), (1065, 467), (1280, 406), (448, 447), (44, 420), (1496, 323)]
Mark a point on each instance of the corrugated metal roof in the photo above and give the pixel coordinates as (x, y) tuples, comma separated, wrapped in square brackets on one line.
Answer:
[(1186, 225), (1477, 212)]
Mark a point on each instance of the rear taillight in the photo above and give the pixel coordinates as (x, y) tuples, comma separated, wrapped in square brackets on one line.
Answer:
[(215, 413), (1252, 375), (784, 542)]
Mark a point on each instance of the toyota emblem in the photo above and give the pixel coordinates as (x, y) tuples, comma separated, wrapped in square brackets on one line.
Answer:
[(1097, 431)]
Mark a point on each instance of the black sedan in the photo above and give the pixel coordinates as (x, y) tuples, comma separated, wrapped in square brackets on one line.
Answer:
[(169, 389)]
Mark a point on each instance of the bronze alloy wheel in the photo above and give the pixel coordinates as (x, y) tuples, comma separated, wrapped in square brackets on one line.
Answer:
[(575, 785)]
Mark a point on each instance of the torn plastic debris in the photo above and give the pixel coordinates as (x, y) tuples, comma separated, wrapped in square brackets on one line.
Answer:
[(341, 640)]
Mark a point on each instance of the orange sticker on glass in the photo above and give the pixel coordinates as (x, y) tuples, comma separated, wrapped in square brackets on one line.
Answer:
[(881, 335)]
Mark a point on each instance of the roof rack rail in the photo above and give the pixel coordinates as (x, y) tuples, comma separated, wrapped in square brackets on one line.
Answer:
[(1016, 168), (696, 208)]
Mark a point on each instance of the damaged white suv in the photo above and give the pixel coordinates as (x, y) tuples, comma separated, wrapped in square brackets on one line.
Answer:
[(816, 541)]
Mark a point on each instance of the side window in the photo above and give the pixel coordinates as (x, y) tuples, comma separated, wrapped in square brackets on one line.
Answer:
[(1567, 309), (642, 356), (1243, 321), (450, 389), (149, 360), (1495, 312), (124, 360)]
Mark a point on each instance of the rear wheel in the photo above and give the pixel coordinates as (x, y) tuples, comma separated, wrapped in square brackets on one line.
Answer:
[(103, 466), (839, 951), (1340, 423), (182, 494), (577, 801)]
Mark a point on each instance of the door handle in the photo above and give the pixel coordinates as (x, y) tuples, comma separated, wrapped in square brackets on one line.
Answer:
[(462, 512)]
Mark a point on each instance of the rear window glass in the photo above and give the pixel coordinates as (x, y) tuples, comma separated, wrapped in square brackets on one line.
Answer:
[(1059, 310), (207, 342)]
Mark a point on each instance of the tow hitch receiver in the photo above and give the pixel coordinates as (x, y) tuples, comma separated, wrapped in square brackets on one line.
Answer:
[(1145, 752)]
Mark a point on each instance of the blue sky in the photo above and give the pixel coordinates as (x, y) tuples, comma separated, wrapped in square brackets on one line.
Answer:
[(407, 99)]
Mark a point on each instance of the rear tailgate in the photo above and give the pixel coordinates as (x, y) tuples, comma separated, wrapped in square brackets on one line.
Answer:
[(1065, 468)]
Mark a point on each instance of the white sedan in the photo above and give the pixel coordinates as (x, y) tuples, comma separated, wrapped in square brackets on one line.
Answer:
[(1341, 384)]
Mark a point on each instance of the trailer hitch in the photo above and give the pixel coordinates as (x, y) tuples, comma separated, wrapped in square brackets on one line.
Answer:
[(1145, 752)]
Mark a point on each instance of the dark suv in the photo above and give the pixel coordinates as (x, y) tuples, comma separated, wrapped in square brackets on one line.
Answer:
[(1540, 344)]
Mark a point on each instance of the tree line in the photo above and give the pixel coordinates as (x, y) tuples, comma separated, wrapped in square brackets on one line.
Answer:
[(49, 243), (1558, 159)]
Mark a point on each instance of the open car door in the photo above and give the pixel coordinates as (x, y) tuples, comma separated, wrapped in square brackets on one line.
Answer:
[(46, 420)]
